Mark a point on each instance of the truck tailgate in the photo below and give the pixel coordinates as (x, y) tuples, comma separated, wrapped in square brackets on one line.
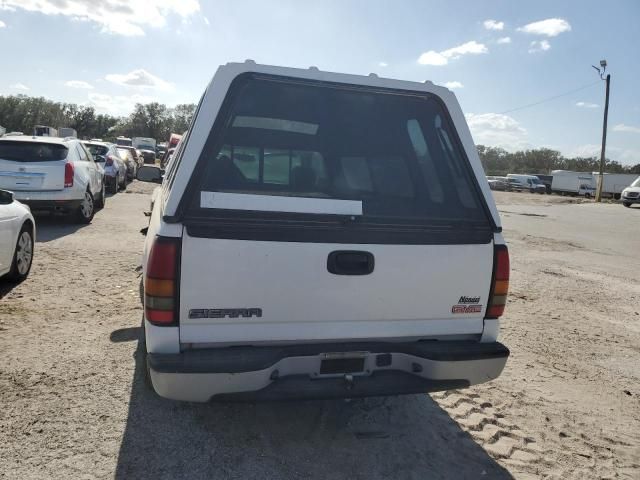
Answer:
[(246, 291)]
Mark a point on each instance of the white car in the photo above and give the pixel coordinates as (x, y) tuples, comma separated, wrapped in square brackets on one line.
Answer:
[(113, 165), (322, 235), (17, 237), (53, 175), (631, 194)]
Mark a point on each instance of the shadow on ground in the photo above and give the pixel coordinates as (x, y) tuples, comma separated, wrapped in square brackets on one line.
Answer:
[(6, 287), (407, 437), (52, 227)]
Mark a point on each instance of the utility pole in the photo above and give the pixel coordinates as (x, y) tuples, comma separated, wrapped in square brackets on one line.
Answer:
[(603, 65)]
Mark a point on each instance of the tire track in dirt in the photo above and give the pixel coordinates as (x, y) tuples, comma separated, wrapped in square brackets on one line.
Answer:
[(557, 455), (502, 440)]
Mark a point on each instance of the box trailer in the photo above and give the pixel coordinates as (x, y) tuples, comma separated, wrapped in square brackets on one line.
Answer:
[(64, 132), (44, 131), (614, 183), (566, 182)]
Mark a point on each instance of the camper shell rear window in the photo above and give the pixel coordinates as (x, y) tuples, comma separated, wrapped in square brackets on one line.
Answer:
[(394, 155)]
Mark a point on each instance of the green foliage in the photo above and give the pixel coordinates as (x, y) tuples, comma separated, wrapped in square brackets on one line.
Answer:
[(20, 113), (497, 161)]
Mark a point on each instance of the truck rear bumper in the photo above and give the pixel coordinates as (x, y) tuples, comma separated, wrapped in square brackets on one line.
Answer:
[(324, 370)]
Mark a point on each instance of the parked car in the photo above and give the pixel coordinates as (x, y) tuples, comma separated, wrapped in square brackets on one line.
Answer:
[(526, 182), (130, 162), (17, 238), (123, 141), (135, 153), (115, 168), (303, 257), (52, 175), (631, 194), (499, 183), (147, 147), (160, 150)]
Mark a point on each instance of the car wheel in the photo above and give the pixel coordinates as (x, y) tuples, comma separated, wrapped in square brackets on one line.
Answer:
[(587, 195), (113, 185), (23, 255), (626, 204), (87, 209), (101, 199), (123, 185)]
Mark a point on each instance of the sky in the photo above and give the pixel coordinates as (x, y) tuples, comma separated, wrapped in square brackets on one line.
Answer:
[(498, 56)]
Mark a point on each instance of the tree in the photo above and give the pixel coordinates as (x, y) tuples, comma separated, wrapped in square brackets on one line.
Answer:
[(181, 117), (497, 161)]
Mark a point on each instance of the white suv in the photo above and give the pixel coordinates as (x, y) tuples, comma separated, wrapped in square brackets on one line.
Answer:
[(51, 174), (322, 235)]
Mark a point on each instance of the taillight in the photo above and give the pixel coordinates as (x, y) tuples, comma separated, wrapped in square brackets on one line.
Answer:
[(500, 285), (68, 174), (161, 282), (109, 161)]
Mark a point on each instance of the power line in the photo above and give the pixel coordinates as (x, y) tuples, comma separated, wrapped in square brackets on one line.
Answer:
[(551, 98)]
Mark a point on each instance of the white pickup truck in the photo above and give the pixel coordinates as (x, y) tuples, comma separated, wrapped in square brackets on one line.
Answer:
[(322, 235)]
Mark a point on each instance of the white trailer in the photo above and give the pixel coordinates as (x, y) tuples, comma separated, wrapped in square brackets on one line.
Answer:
[(64, 132), (44, 131), (614, 183), (566, 182)]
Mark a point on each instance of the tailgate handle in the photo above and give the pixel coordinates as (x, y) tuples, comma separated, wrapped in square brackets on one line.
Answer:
[(350, 262)]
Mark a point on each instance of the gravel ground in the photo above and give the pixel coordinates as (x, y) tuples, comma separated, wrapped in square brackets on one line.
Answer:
[(73, 403)]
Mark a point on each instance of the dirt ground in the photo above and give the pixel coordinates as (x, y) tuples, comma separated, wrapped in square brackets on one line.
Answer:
[(73, 402)]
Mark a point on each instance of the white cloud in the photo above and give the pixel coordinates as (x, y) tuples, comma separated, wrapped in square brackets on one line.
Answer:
[(432, 58), (453, 84), (138, 78), (2, 24), (587, 105), (383, 64), (551, 27), (120, 17), (621, 127), (626, 156), (442, 58), (493, 25), (497, 130), (539, 46), (119, 105), (78, 84), (19, 86), (504, 40)]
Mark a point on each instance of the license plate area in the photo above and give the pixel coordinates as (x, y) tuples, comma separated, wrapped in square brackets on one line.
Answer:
[(343, 363)]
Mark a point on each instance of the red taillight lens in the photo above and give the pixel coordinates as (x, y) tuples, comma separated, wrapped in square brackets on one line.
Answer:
[(161, 282), (500, 286), (68, 174), (109, 161)]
